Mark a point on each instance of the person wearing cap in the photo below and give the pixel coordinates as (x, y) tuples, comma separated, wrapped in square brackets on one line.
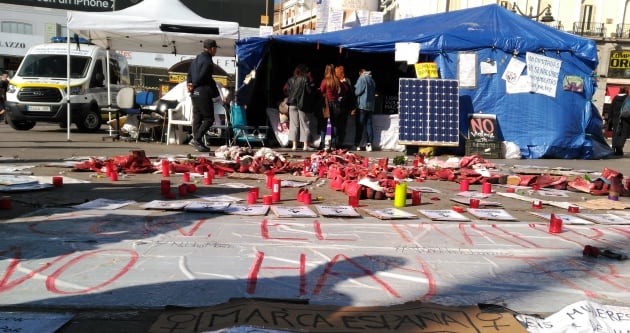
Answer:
[(203, 90)]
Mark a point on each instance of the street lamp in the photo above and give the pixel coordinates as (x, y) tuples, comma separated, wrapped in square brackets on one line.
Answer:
[(547, 11)]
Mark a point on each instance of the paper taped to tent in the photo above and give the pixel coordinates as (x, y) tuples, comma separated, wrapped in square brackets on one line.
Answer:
[(158, 26), (480, 47)]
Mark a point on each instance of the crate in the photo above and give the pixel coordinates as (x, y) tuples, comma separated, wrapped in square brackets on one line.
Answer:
[(485, 149)]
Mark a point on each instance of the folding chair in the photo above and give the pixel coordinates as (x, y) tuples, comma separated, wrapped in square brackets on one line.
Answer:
[(221, 127), (244, 132), (148, 117)]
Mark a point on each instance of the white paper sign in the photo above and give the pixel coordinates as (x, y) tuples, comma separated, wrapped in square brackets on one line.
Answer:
[(513, 70), (389, 213), (491, 214), (407, 52), (522, 85), (444, 215), (488, 67), (583, 316), (544, 72), (293, 211)]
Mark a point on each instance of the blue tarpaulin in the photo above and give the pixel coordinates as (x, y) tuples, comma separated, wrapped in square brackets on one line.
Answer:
[(565, 126)]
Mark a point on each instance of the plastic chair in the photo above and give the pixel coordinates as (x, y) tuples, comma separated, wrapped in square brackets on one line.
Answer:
[(124, 100), (244, 132), (148, 117), (181, 115)]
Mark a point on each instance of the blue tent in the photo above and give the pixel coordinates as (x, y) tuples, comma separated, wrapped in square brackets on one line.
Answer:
[(565, 126)]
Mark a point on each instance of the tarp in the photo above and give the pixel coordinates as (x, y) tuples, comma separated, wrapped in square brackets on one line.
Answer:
[(156, 26), (563, 126)]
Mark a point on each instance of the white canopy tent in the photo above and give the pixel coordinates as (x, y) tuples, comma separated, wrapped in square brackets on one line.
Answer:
[(155, 26)]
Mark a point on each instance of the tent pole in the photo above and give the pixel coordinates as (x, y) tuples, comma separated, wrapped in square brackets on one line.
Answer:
[(68, 81), (109, 90)]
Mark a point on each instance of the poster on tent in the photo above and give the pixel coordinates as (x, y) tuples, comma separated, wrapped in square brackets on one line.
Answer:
[(322, 16), (407, 52), (544, 73), (513, 71), (376, 17), (335, 19), (467, 69)]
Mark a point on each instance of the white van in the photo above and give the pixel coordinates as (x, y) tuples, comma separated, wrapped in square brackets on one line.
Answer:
[(38, 90)]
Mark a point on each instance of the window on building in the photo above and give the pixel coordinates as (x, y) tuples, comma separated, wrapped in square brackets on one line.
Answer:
[(17, 27)]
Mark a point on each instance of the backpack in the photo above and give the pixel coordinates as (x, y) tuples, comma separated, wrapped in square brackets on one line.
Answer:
[(624, 113)]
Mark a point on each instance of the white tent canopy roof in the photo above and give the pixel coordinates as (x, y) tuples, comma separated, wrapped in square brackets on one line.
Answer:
[(156, 26)]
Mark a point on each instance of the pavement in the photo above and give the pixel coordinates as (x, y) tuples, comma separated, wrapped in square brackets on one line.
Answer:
[(117, 270)]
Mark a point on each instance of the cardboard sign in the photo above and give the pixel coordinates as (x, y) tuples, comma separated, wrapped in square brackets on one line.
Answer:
[(483, 127), (402, 318), (425, 70)]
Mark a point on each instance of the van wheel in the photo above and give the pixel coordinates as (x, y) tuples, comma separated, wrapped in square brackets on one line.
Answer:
[(23, 125), (91, 122)]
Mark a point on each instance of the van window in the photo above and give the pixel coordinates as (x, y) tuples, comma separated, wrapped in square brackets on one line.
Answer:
[(114, 72), (98, 78), (53, 65)]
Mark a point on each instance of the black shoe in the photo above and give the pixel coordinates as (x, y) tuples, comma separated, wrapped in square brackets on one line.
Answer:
[(618, 151), (200, 147)]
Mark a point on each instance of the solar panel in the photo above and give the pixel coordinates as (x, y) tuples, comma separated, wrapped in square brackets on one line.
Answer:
[(429, 112)]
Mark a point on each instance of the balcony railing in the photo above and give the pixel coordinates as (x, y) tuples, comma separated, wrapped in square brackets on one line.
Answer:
[(622, 31), (589, 29)]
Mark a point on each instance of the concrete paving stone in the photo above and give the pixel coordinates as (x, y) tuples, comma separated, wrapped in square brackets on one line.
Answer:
[(172, 266)]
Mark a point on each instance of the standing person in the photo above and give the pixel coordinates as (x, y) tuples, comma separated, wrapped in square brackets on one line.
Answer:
[(365, 92), (331, 90), (298, 90), (620, 127), (347, 101), (203, 90), (4, 86)]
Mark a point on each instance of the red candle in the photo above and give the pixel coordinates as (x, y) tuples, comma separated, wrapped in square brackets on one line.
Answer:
[(57, 181), (464, 185), (416, 198), (192, 188), (537, 204), (113, 176), (353, 200), (555, 224), (251, 197), (186, 177), (267, 199), (255, 190), (165, 186), (474, 203), (183, 189), (307, 198), (486, 188), (275, 191), (270, 175), (165, 168)]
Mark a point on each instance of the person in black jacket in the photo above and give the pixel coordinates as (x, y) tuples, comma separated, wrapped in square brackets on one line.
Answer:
[(4, 86), (203, 91), (620, 127), (298, 89)]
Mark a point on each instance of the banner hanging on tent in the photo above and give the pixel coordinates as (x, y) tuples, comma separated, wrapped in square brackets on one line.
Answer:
[(544, 72)]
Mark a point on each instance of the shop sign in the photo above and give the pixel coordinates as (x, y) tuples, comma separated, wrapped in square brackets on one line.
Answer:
[(619, 60)]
